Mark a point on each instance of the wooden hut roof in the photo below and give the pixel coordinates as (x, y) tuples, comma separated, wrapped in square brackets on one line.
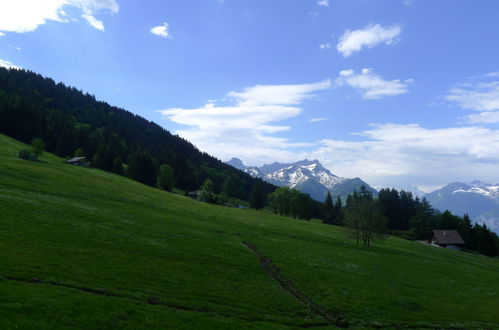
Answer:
[(448, 237)]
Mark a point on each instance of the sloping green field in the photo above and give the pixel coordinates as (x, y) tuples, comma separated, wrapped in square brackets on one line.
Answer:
[(83, 248)]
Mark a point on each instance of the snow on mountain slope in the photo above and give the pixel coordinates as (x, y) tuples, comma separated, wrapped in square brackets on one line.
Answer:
[(479, 187), (478, 199), (300, 172), (308, 176)]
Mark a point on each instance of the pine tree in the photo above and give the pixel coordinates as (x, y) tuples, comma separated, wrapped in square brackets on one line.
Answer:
[(338, 213), (328, 210), (256, 198), (229, 187), (142, 168)]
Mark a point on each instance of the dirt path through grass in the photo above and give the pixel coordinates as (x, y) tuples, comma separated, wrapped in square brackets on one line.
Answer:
[(275, 273)]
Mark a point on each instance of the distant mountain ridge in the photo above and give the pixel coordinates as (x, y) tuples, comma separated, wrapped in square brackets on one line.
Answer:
[(308, 176), (479, 199)]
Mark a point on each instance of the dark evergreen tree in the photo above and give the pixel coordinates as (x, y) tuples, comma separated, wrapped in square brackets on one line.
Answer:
[(229, 187), (117, 167), (328, 210), (142, 168), (338, 213), (257, 199)]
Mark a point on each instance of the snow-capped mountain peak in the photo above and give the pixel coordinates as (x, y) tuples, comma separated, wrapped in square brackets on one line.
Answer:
[(476, 187), (306, 175), (478, 199)]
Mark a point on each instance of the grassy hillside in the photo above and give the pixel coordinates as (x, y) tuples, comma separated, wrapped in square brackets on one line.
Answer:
[(83, 248)]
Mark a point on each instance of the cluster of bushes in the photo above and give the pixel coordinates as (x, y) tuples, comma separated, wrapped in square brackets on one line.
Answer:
[(37, 148), (206, 193), (291, 203)]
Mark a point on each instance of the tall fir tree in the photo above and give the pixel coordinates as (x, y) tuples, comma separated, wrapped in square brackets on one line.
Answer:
[(257, 199), (328, 210)]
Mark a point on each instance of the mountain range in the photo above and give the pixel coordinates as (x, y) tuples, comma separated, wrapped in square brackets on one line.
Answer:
[(478, 199), (308, 176)]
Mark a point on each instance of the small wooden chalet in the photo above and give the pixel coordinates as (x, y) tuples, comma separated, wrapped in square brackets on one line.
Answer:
[(81, 161), (445, 238)]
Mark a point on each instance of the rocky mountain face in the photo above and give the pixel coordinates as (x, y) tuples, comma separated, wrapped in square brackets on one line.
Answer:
[(308, 176), (479, 199)]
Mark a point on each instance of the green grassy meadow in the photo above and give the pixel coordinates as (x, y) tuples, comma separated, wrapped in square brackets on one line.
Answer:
[(82, 248)]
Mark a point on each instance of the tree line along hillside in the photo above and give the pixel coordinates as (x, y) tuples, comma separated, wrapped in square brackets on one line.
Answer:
[(68, 120), (400, 213)]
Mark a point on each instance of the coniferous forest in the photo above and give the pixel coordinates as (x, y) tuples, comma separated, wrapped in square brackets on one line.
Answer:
[(113, 139), (401, 214)]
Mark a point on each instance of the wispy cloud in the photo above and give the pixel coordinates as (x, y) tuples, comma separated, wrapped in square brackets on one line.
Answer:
[(371, 36), (480, 93), (315, 120), (26, 15), (476, 96), (161, 30), (2, 34), (94, 22), (246, 126), (325, 46), (371, 85), (323, 3)]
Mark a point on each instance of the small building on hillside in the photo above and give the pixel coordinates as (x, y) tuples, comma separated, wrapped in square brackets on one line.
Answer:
[(80, 161), (447, 238), (193, 194)]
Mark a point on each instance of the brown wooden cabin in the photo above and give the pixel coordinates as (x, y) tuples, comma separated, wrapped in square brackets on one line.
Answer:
[(444, 238)]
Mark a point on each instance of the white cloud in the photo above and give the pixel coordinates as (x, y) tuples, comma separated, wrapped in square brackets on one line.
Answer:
[(371, 85), (489, 117), (476, 96), (2, 34), (245, 127), (94, 22), (315, 120), (8, 65), (394, 154), (26, 15), (480, 93), (325, 46), (370, 36), (323, 3), (161, 30), (278, 94), (251, 128)]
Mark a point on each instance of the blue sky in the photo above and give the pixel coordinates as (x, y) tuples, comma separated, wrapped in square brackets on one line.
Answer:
[(396, 92)]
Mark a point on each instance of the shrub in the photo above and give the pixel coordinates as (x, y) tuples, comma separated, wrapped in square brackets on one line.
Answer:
[(26, 154)]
